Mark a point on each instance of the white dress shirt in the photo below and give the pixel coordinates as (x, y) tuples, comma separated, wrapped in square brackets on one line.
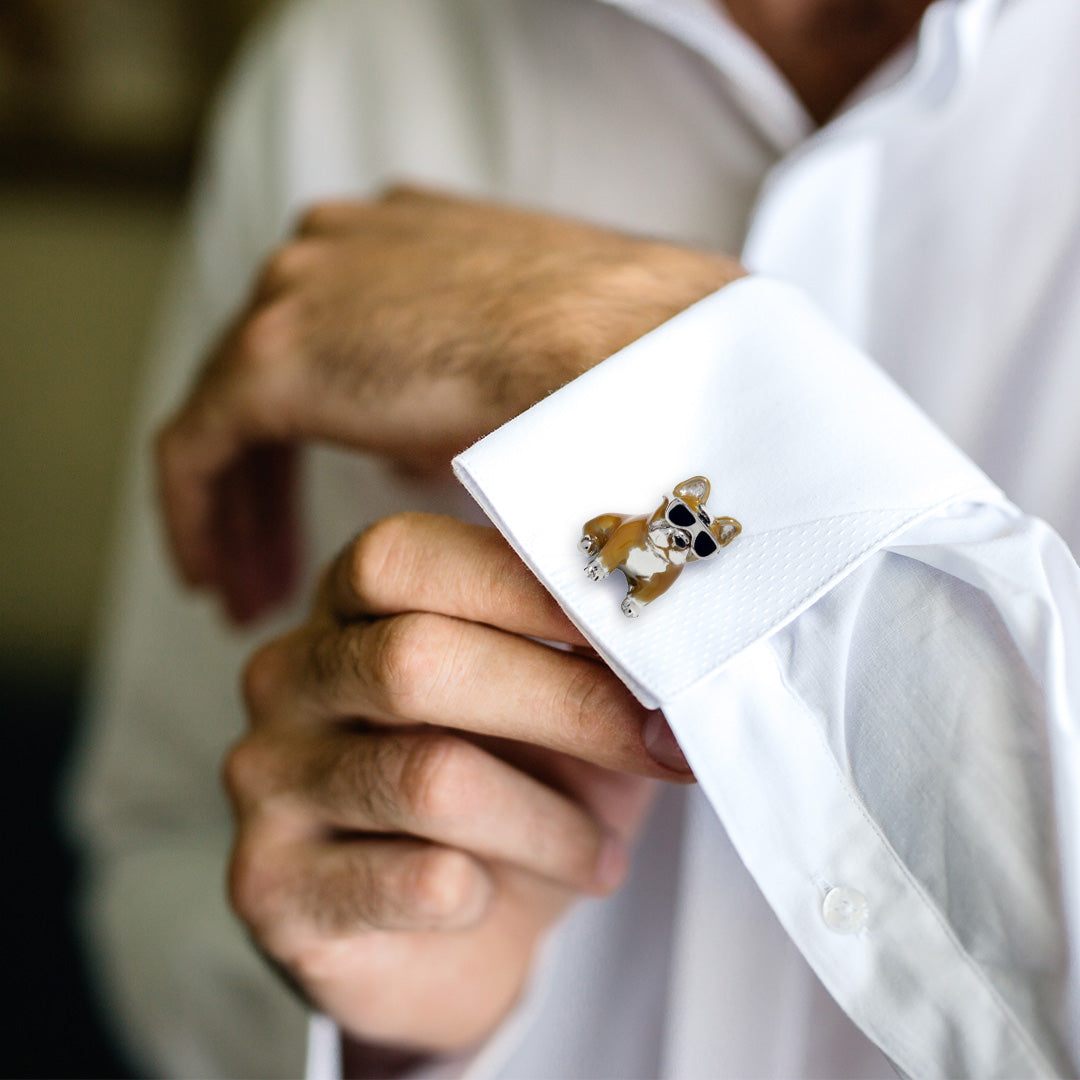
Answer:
[(881, 710)]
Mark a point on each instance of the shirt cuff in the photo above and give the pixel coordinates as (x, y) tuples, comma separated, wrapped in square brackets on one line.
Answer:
[(821, 458)]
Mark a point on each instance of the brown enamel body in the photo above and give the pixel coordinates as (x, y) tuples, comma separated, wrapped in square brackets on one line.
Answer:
[(652, 550)]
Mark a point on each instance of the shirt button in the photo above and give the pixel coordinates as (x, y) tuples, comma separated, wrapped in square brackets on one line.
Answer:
[(845, 910)]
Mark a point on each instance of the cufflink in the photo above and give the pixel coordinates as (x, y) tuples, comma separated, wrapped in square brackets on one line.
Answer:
[(651, 551)]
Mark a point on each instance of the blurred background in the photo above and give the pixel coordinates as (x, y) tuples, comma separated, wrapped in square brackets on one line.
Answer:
[(100, 103)]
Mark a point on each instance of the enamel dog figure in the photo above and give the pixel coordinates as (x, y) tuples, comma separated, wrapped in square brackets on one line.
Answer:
[(652, 551)]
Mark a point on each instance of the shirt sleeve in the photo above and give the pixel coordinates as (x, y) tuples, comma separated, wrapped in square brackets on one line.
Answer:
[(875, 683), (182, 985), (178, 976)]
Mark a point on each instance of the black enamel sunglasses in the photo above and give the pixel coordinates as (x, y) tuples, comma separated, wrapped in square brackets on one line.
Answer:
[(682, 517)]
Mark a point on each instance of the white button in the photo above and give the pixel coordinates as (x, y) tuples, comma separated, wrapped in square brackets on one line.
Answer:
[(845, 910)]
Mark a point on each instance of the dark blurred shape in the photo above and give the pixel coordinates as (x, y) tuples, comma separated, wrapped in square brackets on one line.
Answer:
[(109, 91), (52, 1027)]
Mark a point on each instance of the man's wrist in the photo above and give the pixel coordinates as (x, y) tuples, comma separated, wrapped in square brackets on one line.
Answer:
[(625, 298)]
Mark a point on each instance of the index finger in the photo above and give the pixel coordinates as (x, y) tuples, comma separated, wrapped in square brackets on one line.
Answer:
[(428, 562), (243, 397)]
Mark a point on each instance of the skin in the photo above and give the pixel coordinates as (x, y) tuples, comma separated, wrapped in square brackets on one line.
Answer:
[(412, 325), (407, 327), (410, 817), (423, 790)]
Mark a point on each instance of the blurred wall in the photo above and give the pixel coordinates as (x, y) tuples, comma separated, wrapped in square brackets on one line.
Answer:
[(79, 278), (99, 104)]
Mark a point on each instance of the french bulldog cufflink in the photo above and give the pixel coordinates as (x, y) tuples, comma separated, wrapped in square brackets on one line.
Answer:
[(652, 551)]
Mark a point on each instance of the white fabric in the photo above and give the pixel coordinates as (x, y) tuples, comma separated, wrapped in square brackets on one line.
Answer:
[(716, 391), (937, 225), (822, 747)]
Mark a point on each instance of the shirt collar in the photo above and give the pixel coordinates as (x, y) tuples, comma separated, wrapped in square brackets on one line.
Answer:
[(950, 42), (755, 82)]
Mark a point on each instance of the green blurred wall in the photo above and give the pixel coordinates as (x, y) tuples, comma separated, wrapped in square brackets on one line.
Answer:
[(80, 275)]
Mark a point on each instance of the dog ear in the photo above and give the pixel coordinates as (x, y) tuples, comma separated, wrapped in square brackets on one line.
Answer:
[(697, 487), (729, 528)]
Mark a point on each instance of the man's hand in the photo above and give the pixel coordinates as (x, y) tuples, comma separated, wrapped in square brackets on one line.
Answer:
[(408, 327), (423, 790)]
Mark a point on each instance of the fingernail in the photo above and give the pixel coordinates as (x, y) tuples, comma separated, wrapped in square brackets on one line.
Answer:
[(612, 864), (660, 743)]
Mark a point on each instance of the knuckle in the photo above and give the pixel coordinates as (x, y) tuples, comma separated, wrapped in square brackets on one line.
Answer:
[(282, 268), (595, 711), (439, 883), (260, 679), (580, 695), (436, 777), (252, 885), (247, 773), (264, 368), (263, 338), (375, 557), (238, 772), (318, 218), (402, 662)]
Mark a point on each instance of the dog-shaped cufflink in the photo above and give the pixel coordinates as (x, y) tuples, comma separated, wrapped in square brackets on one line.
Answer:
[(652, 551)]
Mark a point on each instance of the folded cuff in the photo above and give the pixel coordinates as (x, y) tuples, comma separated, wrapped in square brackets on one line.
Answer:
[(821, 458)]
